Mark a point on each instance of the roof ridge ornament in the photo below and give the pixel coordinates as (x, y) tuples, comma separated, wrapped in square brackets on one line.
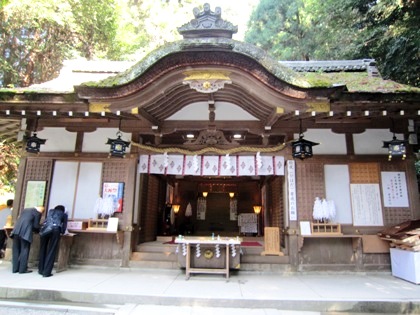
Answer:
[(207, 24), (207, 81)]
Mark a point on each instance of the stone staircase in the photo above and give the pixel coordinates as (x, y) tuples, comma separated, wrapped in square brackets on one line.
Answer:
[(159, 255)]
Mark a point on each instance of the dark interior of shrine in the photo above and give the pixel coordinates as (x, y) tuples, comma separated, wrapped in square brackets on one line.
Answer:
[(224, 198)]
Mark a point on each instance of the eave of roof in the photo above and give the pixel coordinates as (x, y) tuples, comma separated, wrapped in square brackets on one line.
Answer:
[(359, 82), (210, 43)]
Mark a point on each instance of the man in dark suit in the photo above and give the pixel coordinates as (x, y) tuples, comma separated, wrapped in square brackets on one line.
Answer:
[(22, 235), (57, 220)]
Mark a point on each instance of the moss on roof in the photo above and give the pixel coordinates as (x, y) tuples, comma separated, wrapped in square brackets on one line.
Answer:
[(358, 82), (280, 71)]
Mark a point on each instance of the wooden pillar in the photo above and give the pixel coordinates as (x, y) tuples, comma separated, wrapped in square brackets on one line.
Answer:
[(128, 212)]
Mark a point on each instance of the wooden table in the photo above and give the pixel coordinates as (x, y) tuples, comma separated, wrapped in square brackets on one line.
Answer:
[(356, 239), (118, 234), (198, 241)]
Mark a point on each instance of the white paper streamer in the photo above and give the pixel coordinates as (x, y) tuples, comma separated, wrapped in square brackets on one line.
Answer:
[(198, 251), (165, 159), (98, 205), (233, 250), (331, 210), (195, 163), (324, 209), (317, 210), (217, 251), (259, 160), (227, 161)]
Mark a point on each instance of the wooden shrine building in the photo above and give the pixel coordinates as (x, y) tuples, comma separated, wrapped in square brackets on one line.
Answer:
[(215, 128)]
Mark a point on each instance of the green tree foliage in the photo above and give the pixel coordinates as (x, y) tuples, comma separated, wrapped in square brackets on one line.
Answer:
[(9, 163), (385, 30), (95, 28), (282, 27), (34, 39), (150, 24), (392, 37), (36, 36)]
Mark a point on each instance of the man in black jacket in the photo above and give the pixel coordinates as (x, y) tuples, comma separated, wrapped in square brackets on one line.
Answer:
[(57, 221), (22, 235)]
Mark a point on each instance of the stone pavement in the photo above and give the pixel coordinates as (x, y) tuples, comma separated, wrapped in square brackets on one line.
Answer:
[(138, 291)]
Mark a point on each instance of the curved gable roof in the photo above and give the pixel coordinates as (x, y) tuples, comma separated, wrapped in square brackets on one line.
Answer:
[(155, 85)]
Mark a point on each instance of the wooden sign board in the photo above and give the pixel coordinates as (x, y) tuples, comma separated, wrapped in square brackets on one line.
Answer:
[(272, 241)]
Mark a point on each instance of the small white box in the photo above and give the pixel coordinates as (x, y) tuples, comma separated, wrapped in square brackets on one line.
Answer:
[(112, 225), (405, 265), (75, 225)]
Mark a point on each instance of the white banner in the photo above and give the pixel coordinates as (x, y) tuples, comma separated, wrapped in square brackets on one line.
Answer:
[(228, 165), (211, 165), (156, 164), (279, 165), (175, 165), (246, 165), (291, 181), (192, 165), (144, 164)]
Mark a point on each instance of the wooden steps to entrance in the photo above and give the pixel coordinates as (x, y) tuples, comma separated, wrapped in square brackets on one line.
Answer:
[(161, 255)]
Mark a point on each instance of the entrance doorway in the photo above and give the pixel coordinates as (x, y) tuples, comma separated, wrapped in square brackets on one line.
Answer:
[(158, 194)]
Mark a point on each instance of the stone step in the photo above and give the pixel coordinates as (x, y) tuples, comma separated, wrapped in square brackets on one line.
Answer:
[(252, 250), (153, 256), (156, 247)]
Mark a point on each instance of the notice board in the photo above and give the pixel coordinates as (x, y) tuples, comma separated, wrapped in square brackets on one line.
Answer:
[(366, 205)]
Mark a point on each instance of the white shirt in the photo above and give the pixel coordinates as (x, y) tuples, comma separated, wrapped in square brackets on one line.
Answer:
[(3, 217)]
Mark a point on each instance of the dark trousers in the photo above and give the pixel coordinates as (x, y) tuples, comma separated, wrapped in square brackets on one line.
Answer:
[(3, 239), (20, 254), (47, 251)]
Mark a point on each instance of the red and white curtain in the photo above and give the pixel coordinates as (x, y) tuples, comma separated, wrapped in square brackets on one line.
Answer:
[(212, 165)]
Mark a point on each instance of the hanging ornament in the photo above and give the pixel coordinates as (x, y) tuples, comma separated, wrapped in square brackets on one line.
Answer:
[(233, 250), (227, 161), (217, 251), (198, 251), (259, 160), (195, 163), (165, 159)]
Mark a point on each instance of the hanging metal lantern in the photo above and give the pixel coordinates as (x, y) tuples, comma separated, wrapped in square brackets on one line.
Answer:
[(33, 144), (118, 146), (395, 148), (302, 148)]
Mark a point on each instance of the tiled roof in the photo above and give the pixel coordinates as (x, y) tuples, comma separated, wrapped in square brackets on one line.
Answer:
[(368, 65), (75, 72)]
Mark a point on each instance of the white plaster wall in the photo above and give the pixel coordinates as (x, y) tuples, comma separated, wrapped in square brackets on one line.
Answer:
[(96, 141), (329, 142), (58, 140), (222, 110), (372, 140)]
